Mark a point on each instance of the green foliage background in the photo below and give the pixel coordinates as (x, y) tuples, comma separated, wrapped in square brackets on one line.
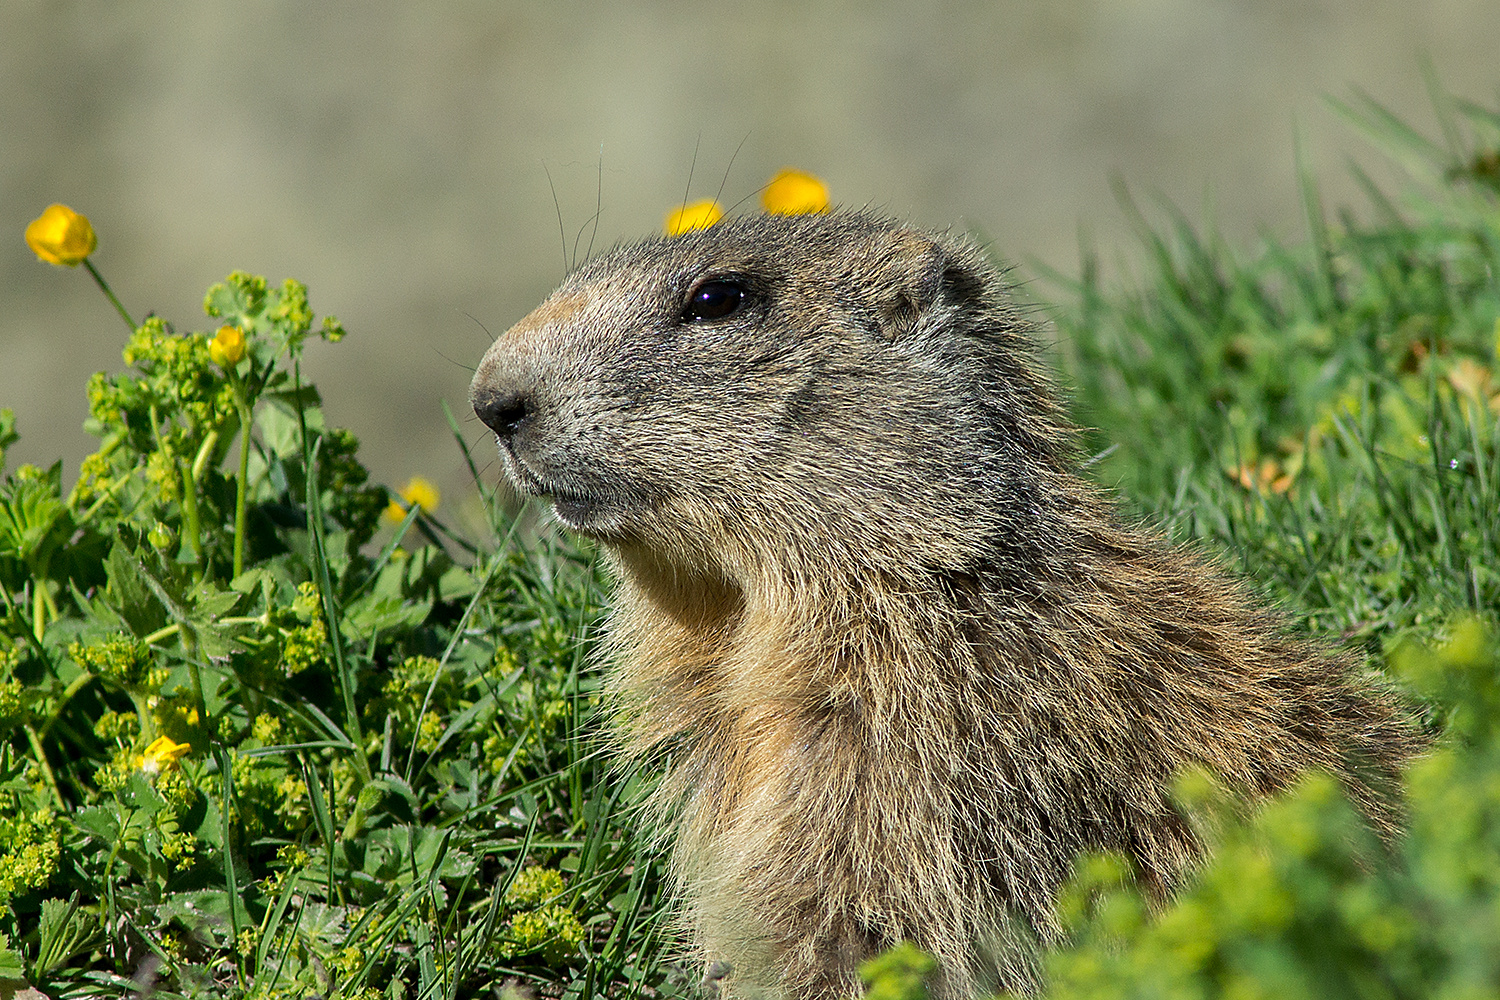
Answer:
[(251, 747)]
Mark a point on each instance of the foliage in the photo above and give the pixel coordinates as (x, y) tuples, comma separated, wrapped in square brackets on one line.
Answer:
[(899, 974), (245, 752), (1303, 902)]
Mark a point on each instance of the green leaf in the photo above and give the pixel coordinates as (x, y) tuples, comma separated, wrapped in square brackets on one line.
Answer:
[(12, 969), (98, 821), (278, 423), (374, 614), (64, 930), (139, 794), (33, 519), (129, 594), (456, 583), (206, 913), (209, 603)]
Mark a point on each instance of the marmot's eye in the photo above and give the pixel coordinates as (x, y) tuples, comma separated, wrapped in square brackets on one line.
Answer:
[(714, 300)]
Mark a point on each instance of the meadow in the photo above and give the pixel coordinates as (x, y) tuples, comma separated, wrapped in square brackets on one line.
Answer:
[(269, 730)]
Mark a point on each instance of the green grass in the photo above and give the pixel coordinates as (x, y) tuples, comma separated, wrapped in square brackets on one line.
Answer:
[(1323, 413), (288, 751)]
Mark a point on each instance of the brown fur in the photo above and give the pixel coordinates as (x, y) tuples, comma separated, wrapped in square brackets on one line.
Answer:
[(900, 662)]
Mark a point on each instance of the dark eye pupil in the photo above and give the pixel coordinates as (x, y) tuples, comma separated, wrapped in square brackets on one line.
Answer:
[(714, 300)]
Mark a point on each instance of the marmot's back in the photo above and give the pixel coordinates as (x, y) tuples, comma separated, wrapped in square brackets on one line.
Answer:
[(904, 664)]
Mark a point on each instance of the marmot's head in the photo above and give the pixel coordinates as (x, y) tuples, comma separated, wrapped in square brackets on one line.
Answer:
[(775, 390)]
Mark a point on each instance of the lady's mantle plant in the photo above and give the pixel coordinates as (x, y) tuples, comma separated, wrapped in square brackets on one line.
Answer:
[(220, 714)]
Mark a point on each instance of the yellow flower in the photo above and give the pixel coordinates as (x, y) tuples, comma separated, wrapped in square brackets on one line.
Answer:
[(418, 492), (162, 754), (61, 236), (1470, 379), (227, 347), (1267, 476), (693, 215), (795, 192)]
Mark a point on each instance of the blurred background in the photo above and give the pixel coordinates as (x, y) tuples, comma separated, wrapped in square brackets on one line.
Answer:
[(410, 162)]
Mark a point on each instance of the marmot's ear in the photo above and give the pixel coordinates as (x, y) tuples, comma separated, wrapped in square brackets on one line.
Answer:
[(909, 269)]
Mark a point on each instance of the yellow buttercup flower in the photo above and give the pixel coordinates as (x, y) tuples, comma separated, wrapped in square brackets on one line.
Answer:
[(162, 754), (795, 192), (693, 215), (418, 492), (61, 236), (227, 347)]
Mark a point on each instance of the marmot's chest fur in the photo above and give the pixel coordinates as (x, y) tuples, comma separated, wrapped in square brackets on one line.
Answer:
[(908, 663)]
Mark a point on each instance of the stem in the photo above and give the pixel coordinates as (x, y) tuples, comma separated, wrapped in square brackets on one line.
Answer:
[(109, 293), (226, 775), (41, 759), (200, 704), (162, 633), (109, 866), (205, 452), (143, 716), (76, 685), (190, 513), (38, 611), (240, 482)]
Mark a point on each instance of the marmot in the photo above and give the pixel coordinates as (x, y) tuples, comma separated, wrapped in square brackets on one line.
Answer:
[(900, 662)]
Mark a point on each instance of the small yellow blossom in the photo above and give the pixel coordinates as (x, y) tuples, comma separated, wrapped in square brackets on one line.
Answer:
[(61, 236), (1267, 476), (418, 492), (163, 753), (227, 347), (795, 192), (693, 215)]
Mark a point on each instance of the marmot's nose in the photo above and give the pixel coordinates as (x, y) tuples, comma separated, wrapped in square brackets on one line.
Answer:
[(503, 412)]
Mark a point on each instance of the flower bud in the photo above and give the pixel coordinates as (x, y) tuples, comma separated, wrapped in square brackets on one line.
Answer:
[(161, 537), (228, 347), (795, 192), (61, 236), (693, 215)]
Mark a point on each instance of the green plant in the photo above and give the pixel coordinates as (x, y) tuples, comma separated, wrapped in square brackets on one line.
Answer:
[(1301, 901), (244, 751)]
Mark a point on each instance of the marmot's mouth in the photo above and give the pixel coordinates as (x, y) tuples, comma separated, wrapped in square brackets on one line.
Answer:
[(577, 513), (585, 512), (526, 482)]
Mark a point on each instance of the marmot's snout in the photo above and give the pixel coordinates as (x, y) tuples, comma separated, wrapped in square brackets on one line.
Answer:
[(505, 392)]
